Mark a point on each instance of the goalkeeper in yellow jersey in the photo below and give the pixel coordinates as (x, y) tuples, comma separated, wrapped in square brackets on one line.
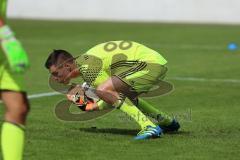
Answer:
[(120, 71), (13, 62)]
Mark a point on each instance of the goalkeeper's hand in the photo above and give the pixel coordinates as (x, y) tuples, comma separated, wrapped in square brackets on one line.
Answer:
[(78, 97), (16, 55)]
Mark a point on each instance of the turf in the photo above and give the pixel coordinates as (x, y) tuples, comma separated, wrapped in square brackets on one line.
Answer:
[(207, 108)]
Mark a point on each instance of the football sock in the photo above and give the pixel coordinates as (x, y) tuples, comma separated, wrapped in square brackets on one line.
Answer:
[(150, 110), (131, 110), (12, 141)]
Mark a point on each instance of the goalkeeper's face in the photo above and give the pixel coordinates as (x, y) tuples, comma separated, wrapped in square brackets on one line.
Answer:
[(61, 74)]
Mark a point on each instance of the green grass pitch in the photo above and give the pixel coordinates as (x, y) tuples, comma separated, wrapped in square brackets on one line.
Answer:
[(206, 97)]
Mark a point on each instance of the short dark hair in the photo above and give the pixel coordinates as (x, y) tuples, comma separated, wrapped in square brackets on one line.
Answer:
[(57, 57)]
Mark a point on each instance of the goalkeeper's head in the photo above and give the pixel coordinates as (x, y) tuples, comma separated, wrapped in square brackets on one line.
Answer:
[(61, 65)]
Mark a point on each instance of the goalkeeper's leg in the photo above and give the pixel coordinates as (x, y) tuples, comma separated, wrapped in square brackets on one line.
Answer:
[(166, 122), (112, 88), (142, 82), (12, 134), (162, 118), (111, 95)]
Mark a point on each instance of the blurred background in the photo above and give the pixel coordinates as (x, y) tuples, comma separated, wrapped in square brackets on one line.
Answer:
[(191, 11)]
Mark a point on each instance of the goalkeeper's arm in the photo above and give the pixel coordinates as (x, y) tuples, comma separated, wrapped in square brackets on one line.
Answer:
[(77, 96), (12, 48)]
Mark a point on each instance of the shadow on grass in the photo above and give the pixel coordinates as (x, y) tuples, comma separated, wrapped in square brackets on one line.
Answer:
[(178, 133), (120, 131), (117, 131)]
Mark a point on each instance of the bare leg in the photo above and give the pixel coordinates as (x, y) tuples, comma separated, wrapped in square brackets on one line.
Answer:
[(17, 106), (109, 90), (12, 137)]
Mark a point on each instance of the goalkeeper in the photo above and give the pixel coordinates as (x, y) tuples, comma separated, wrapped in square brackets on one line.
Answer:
[(13, 62), (120, 71)]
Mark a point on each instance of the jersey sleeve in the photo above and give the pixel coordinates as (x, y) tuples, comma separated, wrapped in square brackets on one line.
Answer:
[(91, 69)]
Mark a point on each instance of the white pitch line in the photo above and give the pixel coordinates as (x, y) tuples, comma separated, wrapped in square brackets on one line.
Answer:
[(189, 46), (204, 79), (50, 94), (40, 95)]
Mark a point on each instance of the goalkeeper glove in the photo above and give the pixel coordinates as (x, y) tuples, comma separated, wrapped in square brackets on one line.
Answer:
[(78, 97), (16, 55)]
